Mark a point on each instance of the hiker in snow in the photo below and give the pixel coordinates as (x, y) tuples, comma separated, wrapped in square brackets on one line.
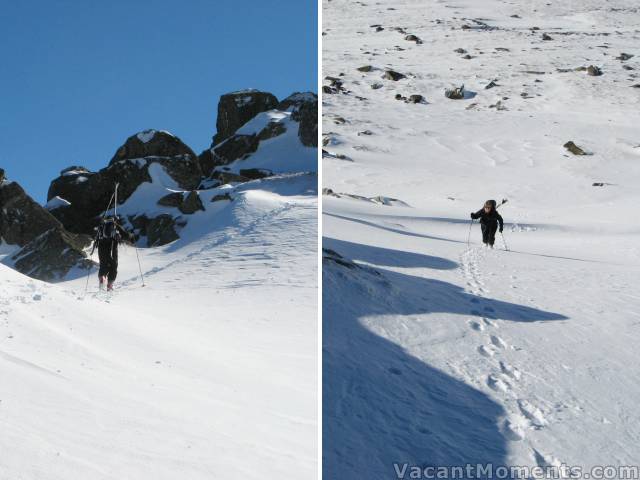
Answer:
[(109, 234), (489, 220)]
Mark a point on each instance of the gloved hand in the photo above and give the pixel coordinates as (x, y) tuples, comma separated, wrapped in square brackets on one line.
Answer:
[(472, 216), (500, 229)]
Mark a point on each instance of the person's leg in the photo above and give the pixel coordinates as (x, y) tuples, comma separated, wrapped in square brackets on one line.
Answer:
[(113, 264), (104, 258), (485, 233), (492, 234)]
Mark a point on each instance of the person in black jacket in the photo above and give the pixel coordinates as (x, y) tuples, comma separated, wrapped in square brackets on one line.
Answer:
[(108, 236), (489, 220)]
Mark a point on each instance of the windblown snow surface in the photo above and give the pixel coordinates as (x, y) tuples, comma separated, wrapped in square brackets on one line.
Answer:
[(437, 353), (209, 371)]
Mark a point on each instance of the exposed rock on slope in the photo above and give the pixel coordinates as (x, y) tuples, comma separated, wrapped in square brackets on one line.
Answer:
[(88, 193), (151, 143), (171, 174), (48, 251), (237, 108), (239, 143)]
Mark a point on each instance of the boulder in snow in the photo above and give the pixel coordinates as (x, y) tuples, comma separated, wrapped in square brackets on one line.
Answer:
[(161, 230), (393, 75), (191, 203), (573, 148)]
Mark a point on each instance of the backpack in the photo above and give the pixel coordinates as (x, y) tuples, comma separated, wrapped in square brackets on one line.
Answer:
[(107, 230)]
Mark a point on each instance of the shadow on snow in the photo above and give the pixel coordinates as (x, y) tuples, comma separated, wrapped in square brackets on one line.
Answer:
[(382, 405)]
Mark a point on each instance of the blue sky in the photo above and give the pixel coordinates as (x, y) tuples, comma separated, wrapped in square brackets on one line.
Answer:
[(78, 77)]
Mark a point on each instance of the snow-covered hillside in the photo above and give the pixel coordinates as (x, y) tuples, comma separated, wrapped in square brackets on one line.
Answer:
[(436, 353), (209, 370)]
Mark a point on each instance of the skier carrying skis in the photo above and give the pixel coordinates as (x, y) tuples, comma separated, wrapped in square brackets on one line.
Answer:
[(109, 234), (489, 220)]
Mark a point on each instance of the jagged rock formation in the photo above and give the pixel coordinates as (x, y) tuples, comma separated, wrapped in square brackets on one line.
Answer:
[(48, 251), (246, 118), (88, 193), (151, 143), (237, 108), (234, 144)]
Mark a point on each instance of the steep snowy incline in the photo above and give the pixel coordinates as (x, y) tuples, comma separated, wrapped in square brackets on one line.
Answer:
[(437, 352), (208, 370)]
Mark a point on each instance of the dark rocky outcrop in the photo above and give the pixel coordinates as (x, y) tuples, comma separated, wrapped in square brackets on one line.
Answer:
[(84, 194), (89, 192), (255, 173), (336, 85), (228, 177), (151, 143), (188, 204), (173, 199), (50, 256), (297, 100), (304, 109), (21, 218), (191, 203), (48, 251), (307, 115), (237, 108), (238, 146), (222, 196), (413, 38), (272, 130), (161, 230)]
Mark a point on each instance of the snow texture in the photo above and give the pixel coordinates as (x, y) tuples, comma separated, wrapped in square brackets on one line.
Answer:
[(437, 352), (146, 135), (210, 369), (56, 202), (282, 154)]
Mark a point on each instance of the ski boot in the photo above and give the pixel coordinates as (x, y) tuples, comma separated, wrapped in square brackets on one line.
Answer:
[(109, 287), (103, 282)]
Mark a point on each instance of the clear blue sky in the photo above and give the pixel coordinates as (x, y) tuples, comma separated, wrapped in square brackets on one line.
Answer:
[(77, 77)]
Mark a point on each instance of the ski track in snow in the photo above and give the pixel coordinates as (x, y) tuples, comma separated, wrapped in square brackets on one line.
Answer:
[(538, 341)]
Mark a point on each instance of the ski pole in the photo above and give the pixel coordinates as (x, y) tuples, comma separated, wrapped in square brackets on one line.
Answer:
[(115, 203), (139, 266), (503, 242), (86, 287), (469, 236)]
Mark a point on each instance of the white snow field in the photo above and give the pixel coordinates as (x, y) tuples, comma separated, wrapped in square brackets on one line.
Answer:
[(439, 353), (209, 371)]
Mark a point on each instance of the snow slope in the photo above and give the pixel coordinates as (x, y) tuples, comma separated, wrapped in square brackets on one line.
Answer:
[(440, 353), (208, 371)]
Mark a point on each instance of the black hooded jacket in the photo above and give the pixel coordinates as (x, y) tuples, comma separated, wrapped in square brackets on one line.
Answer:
[(488, 218)]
